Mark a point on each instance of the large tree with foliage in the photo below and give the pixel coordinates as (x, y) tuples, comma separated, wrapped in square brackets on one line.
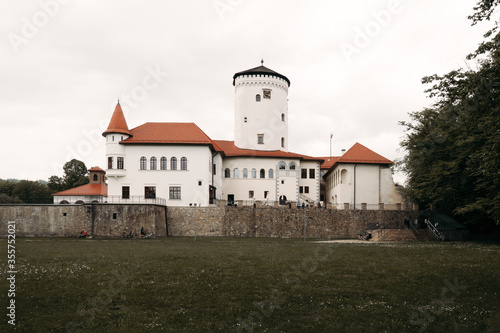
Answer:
[(75, 174), (453, 147)]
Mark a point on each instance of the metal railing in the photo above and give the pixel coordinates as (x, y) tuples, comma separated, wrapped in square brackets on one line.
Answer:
[(134, 199), (438, 234)]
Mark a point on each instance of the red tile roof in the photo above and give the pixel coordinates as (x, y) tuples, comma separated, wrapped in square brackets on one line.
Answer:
[(360, 154), (88, 189), (96, 168), (230, 150), (328, 162), (170, 133), (118, 124)]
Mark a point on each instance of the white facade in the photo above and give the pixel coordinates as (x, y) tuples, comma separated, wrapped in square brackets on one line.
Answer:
[(267, 179), (261, 112), (179, 187), (356, 184)]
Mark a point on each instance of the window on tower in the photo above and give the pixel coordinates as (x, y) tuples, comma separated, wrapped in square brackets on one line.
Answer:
[(267, 94), (110, 162), (282, 117), (257, 98), (282, 142), (260, 139), (119, 161)]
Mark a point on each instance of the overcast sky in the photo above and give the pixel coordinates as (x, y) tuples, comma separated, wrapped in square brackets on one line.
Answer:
[(355, 69)]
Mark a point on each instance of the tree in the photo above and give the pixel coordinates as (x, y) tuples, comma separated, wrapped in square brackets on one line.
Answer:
[(453, 147), (56, 184), (75, 174), (32, 192)]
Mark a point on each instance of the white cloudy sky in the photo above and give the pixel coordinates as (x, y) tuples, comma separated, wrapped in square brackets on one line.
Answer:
[(62, 72)]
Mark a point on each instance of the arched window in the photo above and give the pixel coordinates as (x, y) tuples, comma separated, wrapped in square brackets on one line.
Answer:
[(282, 142), (144, 163), (184, 163), (245, 173), (282, 117), (282, 165), (262, 173), (173, 163), (257, 98), (64, 202), (271, 173), (163, 163), (292, 165), (227, 173), (95, 177), (152, 163), (343, 176), (236, 173), (254, 173)]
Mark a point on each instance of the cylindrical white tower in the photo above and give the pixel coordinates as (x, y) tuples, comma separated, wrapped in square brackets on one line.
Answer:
[(115, 153), (261, 109)]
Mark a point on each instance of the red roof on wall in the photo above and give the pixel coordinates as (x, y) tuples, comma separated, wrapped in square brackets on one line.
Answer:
[(329, 162), (169, 133), (360, 154), (88, 189), (118, 124), (230, 150)]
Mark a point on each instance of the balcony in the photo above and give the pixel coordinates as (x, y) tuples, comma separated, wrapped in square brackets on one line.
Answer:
[(116, 172)]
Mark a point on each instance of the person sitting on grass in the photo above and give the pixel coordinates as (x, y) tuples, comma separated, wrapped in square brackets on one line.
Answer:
[(83, 234)]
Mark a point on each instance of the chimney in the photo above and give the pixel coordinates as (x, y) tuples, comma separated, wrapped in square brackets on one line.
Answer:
[(343, 151)]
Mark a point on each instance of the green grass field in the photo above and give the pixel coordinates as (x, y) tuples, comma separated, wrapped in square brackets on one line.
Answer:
[(251, 284)]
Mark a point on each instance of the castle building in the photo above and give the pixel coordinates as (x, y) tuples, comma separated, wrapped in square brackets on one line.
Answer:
[(180, 164), (95, 191)]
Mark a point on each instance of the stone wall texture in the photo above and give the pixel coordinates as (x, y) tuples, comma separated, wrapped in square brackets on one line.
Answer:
[(100, 220), (279, 221), (108, 220)]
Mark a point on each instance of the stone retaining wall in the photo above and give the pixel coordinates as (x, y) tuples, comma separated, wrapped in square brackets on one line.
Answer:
[(100, 220), (110, 220)]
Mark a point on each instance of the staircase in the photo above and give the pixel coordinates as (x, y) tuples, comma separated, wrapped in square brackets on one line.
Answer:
[(403, 235)]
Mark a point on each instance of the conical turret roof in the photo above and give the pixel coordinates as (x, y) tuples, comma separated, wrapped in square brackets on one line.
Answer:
[(118, 124), (261, 70)]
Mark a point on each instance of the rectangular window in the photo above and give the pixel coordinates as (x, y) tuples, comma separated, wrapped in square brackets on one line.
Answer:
[(125, 192), (260, 139), (306, 189), (119, 162), (174, 192), (250, 194), (214, 169), (200, 182), (301, 189), (150, 192), (110, 162), (312, 173), (303, 173), (266, 193)]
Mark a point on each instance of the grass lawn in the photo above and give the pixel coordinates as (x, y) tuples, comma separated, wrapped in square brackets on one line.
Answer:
[(251, 284)]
